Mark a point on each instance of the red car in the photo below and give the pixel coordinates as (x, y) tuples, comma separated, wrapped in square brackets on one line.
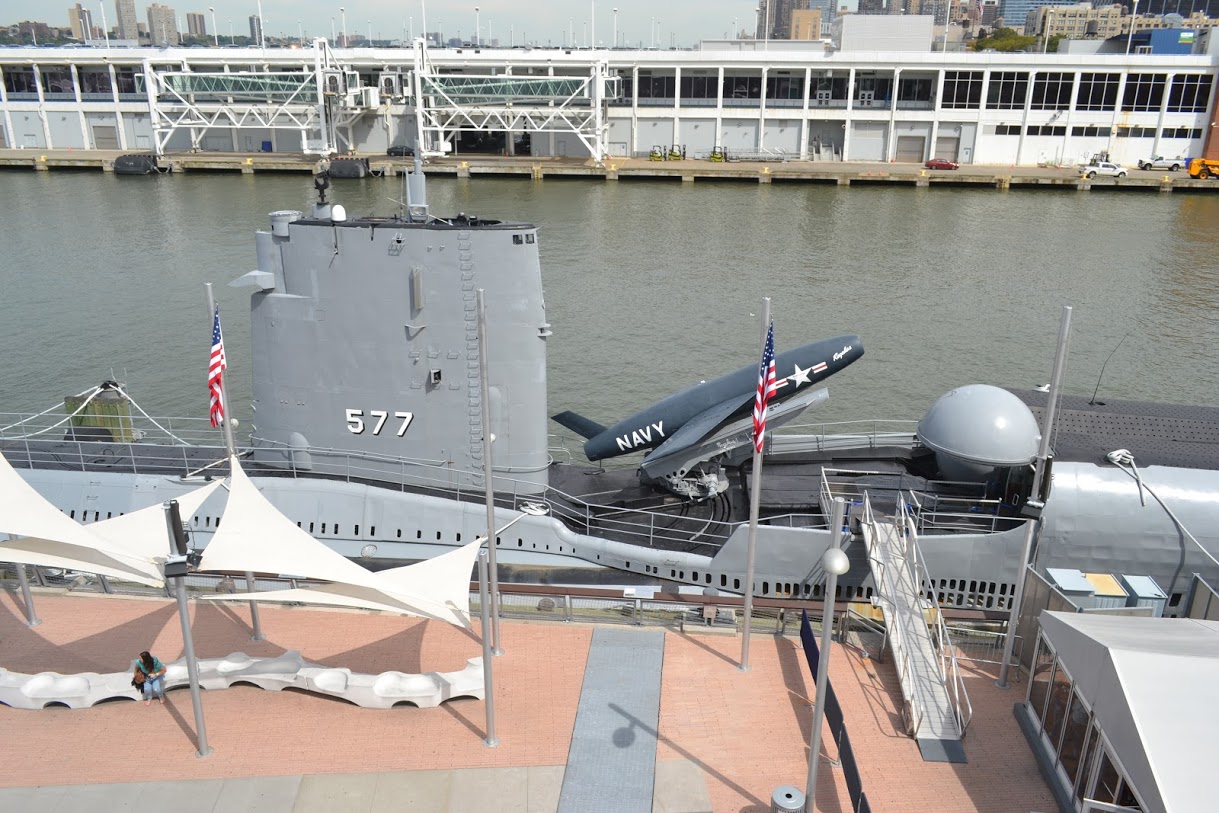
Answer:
[(941, 163)]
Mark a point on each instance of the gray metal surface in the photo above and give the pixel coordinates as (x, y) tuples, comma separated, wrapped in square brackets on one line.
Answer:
[(611, 766)]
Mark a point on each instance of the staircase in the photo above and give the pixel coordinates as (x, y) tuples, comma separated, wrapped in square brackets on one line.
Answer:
[(936, 706)]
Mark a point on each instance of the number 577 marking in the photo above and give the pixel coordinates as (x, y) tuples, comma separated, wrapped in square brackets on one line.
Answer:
[(356, 425)]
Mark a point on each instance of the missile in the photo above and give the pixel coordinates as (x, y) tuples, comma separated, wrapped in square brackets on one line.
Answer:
[(698, 411)]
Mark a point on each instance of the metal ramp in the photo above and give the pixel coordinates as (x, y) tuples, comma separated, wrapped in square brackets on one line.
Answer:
[(936, 706)]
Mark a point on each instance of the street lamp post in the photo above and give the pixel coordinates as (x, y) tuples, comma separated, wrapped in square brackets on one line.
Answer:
[(106, 28), (370, 33), (592, 22), (1134, 13), (215, 30), (835, 563), (343, 14), (615, 42), (176, 567), (477, 27), (300, 32), (488, 681)]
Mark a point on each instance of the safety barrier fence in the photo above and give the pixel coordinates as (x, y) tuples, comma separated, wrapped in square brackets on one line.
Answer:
[(837, 724), (517, 601)]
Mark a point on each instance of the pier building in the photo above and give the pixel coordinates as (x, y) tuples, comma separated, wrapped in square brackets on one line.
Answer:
[(797, 103)]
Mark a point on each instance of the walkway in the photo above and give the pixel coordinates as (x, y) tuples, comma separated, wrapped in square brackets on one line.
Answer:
[(726, 739)]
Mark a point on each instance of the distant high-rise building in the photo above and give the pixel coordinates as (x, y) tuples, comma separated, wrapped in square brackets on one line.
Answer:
[(806, 24), (163, 25), (81, 20), (196, 25), (126, 25), (256, 29)]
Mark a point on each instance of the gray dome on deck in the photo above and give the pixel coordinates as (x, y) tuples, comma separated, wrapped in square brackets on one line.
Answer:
[(978, 428)]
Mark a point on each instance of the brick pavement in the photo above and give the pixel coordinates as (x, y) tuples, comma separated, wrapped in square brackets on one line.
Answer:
[(747, 733)]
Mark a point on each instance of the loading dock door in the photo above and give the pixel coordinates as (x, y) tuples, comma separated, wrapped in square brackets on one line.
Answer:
[(867, 141), (105, 137), (3, 139), (910, 149), (947, 147)]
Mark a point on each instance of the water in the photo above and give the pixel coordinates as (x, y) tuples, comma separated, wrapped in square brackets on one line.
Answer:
[(650, 286)]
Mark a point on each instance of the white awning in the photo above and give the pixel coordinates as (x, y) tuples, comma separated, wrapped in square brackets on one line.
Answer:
[(254, 536)]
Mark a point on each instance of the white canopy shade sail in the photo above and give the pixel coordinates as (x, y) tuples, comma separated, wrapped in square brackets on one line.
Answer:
[(131, 547), (50, 553), (25, 512), (254, 536), (143, 534)]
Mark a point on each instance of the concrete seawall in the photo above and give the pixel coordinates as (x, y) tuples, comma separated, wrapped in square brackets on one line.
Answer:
[(625, 169)]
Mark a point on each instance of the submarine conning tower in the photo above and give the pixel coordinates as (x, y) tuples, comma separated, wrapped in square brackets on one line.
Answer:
[(365, 352)]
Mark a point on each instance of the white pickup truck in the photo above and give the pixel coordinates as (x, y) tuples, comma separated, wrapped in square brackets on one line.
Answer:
[(1160, 162), (1103, 168)]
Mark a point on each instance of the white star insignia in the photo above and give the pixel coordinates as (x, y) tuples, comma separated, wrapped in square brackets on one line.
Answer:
[(800, 376)]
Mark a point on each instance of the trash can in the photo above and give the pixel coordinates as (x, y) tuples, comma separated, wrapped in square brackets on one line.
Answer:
[(266, 146), (787, 799)]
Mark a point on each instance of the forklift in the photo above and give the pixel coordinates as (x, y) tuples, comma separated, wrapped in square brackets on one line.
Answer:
[(657, 153), (718, 155), (677, 152)]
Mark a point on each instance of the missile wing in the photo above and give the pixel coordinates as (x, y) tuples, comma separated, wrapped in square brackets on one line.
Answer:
[(689, 417)]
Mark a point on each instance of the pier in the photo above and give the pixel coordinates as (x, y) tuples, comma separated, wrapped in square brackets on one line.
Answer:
[(838, 173)]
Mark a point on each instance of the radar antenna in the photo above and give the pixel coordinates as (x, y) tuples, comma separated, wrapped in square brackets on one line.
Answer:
[(1102, 371)]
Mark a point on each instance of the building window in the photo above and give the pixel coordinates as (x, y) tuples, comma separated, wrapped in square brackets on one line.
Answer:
[(655, 87), (962, 90), (1189, 94), (1007, 90), (700, 87), (1007, 129), (1144, 92), (784, 87), (1097, 91), (740, 87), (1052, 91), (1046, 130), (1136, 132), (1181, 132), (915, 90), (1091, 131)]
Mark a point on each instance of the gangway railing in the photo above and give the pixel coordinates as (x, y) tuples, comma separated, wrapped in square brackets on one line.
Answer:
[(950, 670), (852, 619), (898, 634)]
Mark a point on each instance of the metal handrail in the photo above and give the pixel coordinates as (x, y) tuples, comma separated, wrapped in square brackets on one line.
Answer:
[(950, 670), (851, 614), (898, 643)]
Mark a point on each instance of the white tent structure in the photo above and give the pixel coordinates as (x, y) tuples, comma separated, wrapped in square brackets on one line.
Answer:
[(1147, 686), (255, 536), (131, 547)]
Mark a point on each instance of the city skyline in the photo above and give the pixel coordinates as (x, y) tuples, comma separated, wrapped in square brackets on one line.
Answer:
[(681, 23)]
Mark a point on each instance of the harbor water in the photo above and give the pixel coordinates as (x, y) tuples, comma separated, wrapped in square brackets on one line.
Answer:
[(650, 286)]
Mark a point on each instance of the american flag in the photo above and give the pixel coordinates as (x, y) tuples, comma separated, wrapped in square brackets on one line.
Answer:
[(215, 371), (766, 388)]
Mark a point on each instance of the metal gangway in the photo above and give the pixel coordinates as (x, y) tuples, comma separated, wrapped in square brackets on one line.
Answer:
[(936, 706)]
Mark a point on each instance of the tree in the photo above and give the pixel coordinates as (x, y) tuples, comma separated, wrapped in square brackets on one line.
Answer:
[(1004, 39)]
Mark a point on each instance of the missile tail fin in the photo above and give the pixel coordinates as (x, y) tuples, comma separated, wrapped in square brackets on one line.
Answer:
[(582, 426)]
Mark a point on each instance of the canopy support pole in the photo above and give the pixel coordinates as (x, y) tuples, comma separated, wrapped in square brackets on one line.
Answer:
[(31, 617)]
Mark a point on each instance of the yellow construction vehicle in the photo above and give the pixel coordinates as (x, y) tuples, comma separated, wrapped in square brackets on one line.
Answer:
[(676, 153), (718, 155), (1204, 168), (657, 153)]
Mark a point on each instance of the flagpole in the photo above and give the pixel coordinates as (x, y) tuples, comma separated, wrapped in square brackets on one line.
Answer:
[(755, 492), (231, 447)]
